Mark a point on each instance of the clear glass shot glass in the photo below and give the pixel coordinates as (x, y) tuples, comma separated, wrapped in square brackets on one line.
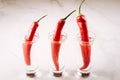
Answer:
[(27, 48), (56, 51), (85, 48)]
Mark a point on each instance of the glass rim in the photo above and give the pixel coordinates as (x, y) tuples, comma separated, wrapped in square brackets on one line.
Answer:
[(50, 36), (92, 37), (35, 38)]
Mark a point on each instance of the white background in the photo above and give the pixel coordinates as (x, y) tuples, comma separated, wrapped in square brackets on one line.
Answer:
[(16, 17)]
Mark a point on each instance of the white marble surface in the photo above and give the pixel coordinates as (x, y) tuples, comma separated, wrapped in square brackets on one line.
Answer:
[(16, 16)]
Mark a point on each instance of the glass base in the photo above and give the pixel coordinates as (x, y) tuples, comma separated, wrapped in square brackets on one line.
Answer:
[(31, 71), (30, 75), (57, 73), (85, 75), (89, 76)]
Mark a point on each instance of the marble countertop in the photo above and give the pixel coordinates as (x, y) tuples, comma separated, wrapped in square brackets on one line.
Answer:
[(16, 17)]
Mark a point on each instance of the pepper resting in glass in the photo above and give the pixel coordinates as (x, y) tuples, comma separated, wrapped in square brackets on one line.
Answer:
[(57, 37), (29, 40), (86, 50)]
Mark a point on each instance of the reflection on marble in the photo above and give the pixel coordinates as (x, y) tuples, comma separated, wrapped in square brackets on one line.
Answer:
[(16, 16)]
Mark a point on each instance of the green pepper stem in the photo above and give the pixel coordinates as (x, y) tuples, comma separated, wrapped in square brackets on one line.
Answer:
[(41, 18), (68, 15), (80, 6)]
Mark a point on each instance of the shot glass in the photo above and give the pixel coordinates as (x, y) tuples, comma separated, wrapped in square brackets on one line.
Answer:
[(27, 48), (85, 48), (56, 51)]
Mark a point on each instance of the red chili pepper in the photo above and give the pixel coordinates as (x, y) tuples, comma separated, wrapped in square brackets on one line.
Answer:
[(59, 28), (31, 34), (86, 52), (28, 42), (55, 45), (82, 25), (83, 28), (27, 45), (85, 49)]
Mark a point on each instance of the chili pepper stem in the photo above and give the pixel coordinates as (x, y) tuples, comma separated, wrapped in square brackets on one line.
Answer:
[(68, 15), (80, 7), (41, 18)]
